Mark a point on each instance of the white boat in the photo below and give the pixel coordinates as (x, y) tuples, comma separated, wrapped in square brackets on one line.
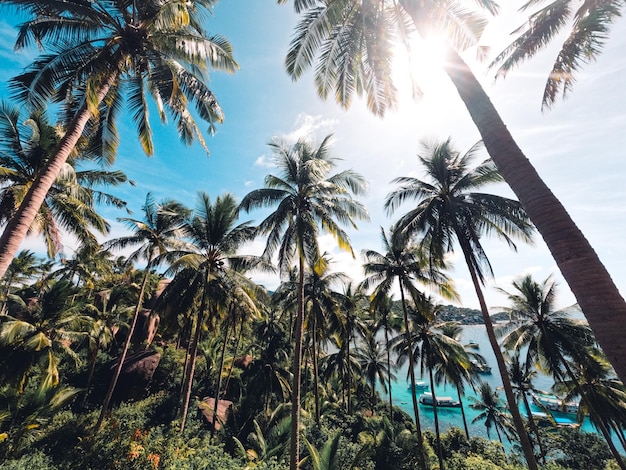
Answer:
[(554, 403), (445, 402), (419, 385), (480, 367)]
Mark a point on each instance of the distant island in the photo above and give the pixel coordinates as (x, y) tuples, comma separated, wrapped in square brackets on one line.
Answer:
[(467, 316)]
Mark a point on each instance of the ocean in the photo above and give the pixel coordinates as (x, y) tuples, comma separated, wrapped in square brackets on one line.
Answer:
[(449, 417)]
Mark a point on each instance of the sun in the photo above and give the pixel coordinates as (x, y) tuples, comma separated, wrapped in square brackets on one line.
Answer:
[(420, 66)]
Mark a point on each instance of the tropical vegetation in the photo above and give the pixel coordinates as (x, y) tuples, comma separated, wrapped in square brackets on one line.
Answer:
[(161, 349)]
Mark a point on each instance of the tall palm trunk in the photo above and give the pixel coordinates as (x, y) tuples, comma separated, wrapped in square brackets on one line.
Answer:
[(17, 227), (316, 387), (348, 371), (187, 332), (460, 395), (583, 271), (436, 415), (418, 426), (527, 447), (131, 331), (294, 456), (533, 426), (93, 358), (230, 371), (389, 374), (219, 375), (191, 361)]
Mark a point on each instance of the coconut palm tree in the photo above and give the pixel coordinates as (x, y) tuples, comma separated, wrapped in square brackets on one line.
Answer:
[(210, 275), (306, 197), (587, 25), (450, 209), (351, 45), (456, 372), (491, 411), (42, 330), (101, 51), (432, 350), (601, 395), (389, 321), (160, 231), (25, 149), (23, 269), (522, 375), (374, 363), (403, 261), (550, 335)]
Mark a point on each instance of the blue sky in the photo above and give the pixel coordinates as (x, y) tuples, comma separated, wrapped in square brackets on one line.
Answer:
[(578, 147)]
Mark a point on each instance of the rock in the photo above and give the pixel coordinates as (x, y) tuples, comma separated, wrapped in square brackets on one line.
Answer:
[(146, 328), (242, 361), (207, 405), (136, 374)]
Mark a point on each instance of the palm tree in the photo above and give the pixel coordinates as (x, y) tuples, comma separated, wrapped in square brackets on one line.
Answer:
[(450, 209), (210, 273), (587, 23), (159, 232), (101, 50), (23, 268), (432, 350), (491, 411), (351, 45), (601, 395), (374, 364), (25, 150), (43, 330), (522, 374), (389, 321), (550, 335), (405, 262), (307, 196), (457, 372)]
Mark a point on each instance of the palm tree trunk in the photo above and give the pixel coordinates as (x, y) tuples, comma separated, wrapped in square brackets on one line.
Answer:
[(533, 426), (120, 365), (460, 395), (527, 447), (92, 367), (17, 227), (191, 364), (230, 371), (420, 437), (316, 389), (389, 375), (294, 456), (348, 371), (186, 332), (437, 433), (583, 271), (219, 376)]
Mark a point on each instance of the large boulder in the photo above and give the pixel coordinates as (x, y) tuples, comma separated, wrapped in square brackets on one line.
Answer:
[(207, 406), (136, 374), (146, 328)]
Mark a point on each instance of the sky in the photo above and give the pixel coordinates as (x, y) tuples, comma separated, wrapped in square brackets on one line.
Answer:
[(578, 147)]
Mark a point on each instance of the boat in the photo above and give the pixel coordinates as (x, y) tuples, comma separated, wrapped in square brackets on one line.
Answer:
[(472, 344), (547, 420), (554, 403), (419, 385), (481, 367), (445, 402)]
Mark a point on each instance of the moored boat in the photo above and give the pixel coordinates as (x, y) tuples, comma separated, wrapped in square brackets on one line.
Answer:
[(445, 402), (419, 385), (554, 403)]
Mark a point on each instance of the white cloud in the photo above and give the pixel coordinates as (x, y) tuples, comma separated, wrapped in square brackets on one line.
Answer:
[(307, 126), (265, 162)]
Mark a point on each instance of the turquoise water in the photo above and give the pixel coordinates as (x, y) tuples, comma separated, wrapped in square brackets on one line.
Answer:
[(449, 417)]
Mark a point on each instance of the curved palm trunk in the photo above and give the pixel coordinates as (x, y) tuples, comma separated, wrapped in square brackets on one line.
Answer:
[(418, 426), (588, 279), (294, 456), (460, 395), (527, 447), (436, 415), (131, 331), (191, 361), (17, 227)]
